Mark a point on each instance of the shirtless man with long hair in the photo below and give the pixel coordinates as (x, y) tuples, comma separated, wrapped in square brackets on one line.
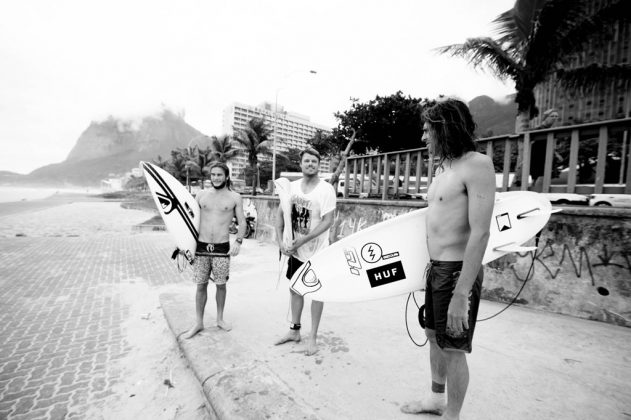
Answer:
[(460, 206), (212, 258)]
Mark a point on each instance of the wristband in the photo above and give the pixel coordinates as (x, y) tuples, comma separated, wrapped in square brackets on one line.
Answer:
[(239, 241)]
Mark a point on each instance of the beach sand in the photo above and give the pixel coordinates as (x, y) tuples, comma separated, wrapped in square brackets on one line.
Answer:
[(154, 359)]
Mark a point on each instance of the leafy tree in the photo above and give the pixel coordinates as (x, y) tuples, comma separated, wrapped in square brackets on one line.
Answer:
[(223, 149), (290, 161), (386, 123), (161, 163), (177, 164), (200, 161), (137, 184), (538, 38), (256, 138), (327, 144)]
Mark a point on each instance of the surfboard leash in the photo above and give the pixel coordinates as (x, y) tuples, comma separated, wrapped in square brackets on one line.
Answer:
[(533, 255), (529, 274), (407, 327)]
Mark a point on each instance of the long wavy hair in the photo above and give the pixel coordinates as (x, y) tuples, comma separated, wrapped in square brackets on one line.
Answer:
[(453, 127), (225, 169)]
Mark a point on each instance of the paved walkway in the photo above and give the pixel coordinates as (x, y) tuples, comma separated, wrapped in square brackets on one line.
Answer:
[(65, 283), (525, 364), (64, 299)]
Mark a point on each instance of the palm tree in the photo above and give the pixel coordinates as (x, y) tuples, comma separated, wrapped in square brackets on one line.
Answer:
[(223, 149), (200, 162), (160, 163), (177, 165), (538, 38), (255, 137)]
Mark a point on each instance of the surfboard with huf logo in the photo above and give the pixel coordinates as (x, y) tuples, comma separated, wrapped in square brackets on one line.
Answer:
[(390, 258), (178, 208)]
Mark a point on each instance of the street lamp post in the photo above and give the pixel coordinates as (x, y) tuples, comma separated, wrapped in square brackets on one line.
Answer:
[(274, 129)]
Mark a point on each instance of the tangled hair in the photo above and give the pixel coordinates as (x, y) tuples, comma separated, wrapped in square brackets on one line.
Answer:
[(453, 127), (225, 169)]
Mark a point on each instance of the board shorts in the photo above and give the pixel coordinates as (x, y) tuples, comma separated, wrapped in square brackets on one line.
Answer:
[(442, 277), (212, 262), (293, 264)]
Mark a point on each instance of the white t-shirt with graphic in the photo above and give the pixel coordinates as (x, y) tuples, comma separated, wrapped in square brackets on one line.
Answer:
[(307, 211)]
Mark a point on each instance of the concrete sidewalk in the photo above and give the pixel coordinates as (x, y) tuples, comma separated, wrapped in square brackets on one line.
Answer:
[(525, 364)]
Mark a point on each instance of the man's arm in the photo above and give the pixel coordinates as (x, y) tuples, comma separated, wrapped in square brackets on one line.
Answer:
[(480, 185), (238, 209), (280, 227)]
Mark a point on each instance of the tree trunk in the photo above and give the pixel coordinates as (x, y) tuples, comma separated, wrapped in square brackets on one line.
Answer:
[(335, 178), (522, 124)]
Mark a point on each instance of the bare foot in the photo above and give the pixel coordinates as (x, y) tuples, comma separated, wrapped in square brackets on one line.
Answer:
[(291, 336), (312, 347), (224, 325), (431, 405), (193, 331)]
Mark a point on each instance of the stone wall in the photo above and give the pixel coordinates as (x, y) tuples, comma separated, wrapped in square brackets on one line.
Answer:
[(582, 266)]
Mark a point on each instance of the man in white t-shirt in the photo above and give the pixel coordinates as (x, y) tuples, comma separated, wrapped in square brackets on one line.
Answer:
[(312, 211)]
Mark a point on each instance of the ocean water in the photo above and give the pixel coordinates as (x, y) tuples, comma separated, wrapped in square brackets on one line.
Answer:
[(11, 194)]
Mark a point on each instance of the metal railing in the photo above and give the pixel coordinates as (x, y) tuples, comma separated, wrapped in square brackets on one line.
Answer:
[(583, 159)]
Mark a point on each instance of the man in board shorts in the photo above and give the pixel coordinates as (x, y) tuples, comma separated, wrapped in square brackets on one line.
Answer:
[(212, 257), (460, 206), (313, 203)]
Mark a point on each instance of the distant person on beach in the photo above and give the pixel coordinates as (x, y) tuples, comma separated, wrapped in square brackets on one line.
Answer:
[(460, 206), (212, 257), (312, 209)]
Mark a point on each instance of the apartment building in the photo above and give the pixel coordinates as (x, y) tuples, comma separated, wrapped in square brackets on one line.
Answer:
[(599, 104), (292, 130)]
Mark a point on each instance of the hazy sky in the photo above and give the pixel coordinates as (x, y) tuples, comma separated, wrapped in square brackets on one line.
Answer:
[(66, 63)]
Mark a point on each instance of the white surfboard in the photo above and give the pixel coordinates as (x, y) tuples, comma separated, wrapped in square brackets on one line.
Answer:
[(178, 208), (390, 258)]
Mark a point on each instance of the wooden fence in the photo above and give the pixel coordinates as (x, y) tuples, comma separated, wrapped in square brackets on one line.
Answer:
[(583, 159)]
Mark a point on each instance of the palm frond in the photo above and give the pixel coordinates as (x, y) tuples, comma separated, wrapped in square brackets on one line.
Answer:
[(485, 53), (594, 76), (555, 20), (515, 25)]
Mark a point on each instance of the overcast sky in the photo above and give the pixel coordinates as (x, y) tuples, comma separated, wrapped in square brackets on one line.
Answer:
[(66, 63)]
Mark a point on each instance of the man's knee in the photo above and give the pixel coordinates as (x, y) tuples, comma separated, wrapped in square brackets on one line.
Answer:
[(221, 287), (202, 287)]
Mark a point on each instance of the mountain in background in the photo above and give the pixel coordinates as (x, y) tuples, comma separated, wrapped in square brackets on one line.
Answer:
[(493, 118), (112, 147)]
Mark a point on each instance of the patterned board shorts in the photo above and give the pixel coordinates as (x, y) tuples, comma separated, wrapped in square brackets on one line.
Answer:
[(212, 263)]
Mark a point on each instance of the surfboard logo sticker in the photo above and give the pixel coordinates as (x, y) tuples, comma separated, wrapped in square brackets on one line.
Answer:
[(306, 280), (386, 274), (166, 202), (354, 264), (503, 222), (371, 252)]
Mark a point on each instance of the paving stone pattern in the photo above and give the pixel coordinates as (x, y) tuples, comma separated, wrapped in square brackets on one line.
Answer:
[(60, 317)]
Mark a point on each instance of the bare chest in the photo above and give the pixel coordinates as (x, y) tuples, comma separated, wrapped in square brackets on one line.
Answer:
[(446, 188), (216, 204)]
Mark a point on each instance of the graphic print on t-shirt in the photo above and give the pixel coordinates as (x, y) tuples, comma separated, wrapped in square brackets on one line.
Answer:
[(300, 216)]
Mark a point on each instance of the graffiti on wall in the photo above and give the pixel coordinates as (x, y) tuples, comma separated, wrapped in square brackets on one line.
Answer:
[(557, 260), (347, 224)]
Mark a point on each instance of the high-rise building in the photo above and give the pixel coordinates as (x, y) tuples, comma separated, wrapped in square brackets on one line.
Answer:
[(292, 130), (599, 104)]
